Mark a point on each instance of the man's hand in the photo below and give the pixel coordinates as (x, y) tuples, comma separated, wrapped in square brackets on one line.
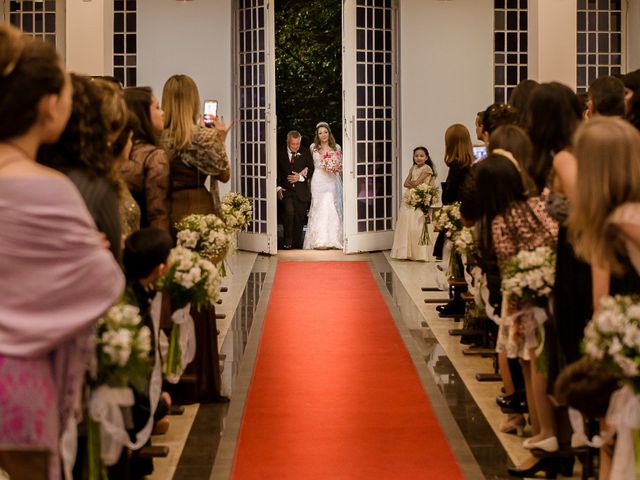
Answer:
[(280, 193), (305, 172), (294, 177)]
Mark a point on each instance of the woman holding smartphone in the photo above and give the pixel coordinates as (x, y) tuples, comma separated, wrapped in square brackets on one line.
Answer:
[(194, 150)]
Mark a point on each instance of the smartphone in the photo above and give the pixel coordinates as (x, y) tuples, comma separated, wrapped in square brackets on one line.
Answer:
[(480, 152), (210, 111)]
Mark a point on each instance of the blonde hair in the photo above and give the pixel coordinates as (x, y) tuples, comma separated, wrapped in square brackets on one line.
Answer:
[(458, 148), (181, 105), (608, 154)]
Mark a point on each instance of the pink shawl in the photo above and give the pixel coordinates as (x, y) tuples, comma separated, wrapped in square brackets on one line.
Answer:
[(56, 278)]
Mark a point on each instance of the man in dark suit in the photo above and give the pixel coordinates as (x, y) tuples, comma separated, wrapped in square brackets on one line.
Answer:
[(295, 169)]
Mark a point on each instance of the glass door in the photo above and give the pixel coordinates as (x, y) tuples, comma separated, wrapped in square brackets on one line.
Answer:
[(370, 139), (255, 130)]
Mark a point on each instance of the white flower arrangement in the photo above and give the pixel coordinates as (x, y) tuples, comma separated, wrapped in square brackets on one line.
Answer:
[(530, 275), (613, 335), (236, 211), (448, 218), (423, 197), (464, 242), (189, 278), (123, 346), (205, 234)]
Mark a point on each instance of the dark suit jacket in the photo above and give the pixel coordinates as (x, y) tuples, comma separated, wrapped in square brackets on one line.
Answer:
[(303, 159)]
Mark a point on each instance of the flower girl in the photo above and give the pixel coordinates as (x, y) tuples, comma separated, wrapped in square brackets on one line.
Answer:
[(409, 227)]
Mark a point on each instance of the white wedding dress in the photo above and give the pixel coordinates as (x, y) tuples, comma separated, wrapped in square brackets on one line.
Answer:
[(324, 229)]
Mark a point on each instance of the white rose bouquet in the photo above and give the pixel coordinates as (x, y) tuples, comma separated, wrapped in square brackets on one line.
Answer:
[(530, 275), (122, 359), (422, 198), (613, 336), (464, 242), (236, 211), (189, 280), (449, 220), (207, 235)]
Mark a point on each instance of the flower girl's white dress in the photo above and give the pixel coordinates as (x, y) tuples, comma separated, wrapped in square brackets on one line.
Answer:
[(324, 229), (409, 225)]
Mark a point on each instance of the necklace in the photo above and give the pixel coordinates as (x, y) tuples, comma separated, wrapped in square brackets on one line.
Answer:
[(18, 148)]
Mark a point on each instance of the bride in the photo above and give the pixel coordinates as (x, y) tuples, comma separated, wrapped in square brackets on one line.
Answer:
[(324, 229)]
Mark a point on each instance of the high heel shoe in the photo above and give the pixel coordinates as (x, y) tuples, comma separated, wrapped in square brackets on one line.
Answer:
[(547, 465), (515, 403), (513, 424), (548, 445)]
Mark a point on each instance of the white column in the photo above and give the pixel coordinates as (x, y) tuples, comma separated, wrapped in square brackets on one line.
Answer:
[(552, 41), (89, 36), (632, 43)]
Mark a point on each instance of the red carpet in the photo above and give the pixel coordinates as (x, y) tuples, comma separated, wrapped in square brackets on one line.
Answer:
[(334, 393)]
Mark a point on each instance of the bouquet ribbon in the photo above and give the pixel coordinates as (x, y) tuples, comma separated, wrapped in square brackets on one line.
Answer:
[(187, 340), (105, 403), (623, 417)]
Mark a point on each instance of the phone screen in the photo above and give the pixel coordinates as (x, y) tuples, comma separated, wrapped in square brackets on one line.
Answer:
[(210, 111)]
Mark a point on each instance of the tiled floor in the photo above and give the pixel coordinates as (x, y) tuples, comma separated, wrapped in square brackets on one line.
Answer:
[(465, 407)]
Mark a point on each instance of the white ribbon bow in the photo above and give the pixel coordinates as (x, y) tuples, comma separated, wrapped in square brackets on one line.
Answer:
[(105, 404), (187, 340), (623, 416)]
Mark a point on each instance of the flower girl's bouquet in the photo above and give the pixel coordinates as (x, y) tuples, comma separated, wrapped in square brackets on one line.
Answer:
[(206, 235), (527, 283), (189, 280), (449, 220), (331, 161), (422, 198), (236, 211), (122, 359)]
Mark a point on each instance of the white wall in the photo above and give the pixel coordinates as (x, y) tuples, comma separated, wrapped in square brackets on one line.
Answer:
[(89, 34), (446, 72), (192, 38), (552, 41)]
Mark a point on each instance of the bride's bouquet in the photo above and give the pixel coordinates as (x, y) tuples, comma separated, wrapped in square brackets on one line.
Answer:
[(331, 161), (236, 211), (464, 242), (189, 280), (422, 198), (122, 359)]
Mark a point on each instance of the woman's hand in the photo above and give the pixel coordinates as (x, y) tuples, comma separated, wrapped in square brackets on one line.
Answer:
[(221, 127)]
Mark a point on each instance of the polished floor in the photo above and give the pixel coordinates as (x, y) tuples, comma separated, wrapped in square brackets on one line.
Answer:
[(202, 441)]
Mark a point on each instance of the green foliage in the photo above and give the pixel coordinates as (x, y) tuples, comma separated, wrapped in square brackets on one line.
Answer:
[(308, 66)]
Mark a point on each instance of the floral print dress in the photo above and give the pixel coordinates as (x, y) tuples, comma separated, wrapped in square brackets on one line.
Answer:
[(525, 226)]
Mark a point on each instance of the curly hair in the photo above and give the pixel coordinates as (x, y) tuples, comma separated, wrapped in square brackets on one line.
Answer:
[(84, 144)]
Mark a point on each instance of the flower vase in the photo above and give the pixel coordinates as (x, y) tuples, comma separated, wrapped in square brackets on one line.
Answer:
[(425, 239), (95, 466)]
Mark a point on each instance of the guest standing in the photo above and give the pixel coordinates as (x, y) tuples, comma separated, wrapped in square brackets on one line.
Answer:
[(147, 170), (194, 151), (56, 277)]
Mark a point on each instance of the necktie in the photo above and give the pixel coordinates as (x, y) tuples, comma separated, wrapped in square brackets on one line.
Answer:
[(293, 157)]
